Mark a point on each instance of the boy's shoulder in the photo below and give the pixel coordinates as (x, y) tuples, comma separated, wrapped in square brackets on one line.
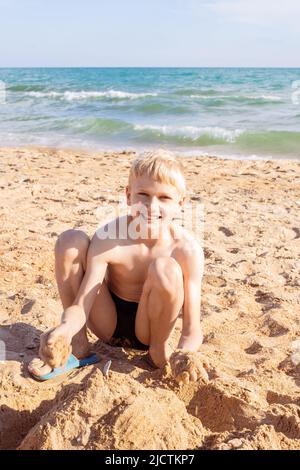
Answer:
[(112, 231), (187, 243), (108, 237)]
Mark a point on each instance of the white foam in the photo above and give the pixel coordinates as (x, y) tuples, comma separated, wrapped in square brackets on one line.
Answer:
[(223, 156), (83, 95), (193, 132), (40, 94), (74, 95), (246, 97), (271, 98)]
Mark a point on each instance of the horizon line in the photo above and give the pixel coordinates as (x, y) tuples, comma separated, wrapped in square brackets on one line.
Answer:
[(147, 67)]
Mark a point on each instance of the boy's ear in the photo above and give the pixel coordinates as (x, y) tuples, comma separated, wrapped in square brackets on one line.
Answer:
[(128, 194)]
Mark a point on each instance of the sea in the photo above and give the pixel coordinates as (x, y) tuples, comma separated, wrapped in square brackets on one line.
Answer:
[(244, 113)]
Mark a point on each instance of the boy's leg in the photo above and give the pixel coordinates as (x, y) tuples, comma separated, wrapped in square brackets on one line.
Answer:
[(160, 304), (70, 265)]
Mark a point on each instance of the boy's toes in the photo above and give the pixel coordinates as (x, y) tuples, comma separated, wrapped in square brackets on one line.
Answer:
[(38, 367)]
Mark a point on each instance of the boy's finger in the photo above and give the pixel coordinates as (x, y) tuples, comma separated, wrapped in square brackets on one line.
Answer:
[(43, 339), (184, 377), (45, 354), (203, 375), (193, 375), (51, 338)]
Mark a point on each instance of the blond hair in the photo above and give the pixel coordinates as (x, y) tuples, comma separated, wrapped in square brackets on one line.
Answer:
[(162, 166)]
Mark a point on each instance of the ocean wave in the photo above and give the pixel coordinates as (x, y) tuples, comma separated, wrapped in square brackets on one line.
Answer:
[(192, 133), (21, 87), (114, 94), (275, 142), (85, 95), (92, 126), (271, 98), (43, 94), (244, 140), (247, 99), (99, 126), (162, 108), (200, 92)]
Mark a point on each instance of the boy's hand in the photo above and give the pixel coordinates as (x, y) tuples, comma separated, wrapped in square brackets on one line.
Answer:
[(189, 366), (55, 346)]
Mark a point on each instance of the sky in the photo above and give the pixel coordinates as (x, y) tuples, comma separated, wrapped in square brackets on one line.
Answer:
[(150, 33)]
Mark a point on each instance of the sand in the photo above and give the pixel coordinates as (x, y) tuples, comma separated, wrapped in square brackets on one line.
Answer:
[(250, 311), (56, 354)]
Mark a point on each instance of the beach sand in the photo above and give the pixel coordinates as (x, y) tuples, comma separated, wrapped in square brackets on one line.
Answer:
[(250, 311)]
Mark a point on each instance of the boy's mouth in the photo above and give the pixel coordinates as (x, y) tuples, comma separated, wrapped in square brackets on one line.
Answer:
[(152, 218)]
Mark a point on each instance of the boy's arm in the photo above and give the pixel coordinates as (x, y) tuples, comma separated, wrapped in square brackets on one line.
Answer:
[(76, 316), (192, 264)]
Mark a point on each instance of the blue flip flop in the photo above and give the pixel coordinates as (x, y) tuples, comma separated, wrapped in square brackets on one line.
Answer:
[(72, 363)]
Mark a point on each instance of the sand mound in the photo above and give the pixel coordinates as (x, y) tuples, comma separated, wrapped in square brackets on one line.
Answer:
[(224, 405), (119, 412), (116, 413), (265, 437)]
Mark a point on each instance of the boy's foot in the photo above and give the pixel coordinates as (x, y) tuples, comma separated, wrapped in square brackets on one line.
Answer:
[(150, 361), (52, 355), (42, 373), (38, 367), (55, 355)]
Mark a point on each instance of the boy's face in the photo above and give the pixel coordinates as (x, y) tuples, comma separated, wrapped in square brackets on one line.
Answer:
[(155, 202)]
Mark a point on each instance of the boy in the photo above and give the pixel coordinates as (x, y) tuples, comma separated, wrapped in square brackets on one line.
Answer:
[(133, 284)]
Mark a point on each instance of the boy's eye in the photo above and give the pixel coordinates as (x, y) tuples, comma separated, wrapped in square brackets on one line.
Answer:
[(142, 194), (165, 197)]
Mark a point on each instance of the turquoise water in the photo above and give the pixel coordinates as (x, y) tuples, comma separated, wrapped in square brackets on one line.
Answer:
[(226, 112)]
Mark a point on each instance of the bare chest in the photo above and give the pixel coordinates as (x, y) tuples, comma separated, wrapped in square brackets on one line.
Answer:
[(127, 274)]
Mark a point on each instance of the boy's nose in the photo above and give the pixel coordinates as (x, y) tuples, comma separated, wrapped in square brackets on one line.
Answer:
[(153, 207)]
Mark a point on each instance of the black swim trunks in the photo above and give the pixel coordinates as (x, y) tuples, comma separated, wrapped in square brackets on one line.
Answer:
[(125, 330)]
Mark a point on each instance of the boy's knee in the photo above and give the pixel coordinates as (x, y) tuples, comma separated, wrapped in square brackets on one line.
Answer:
[(72, 242), (166, 275)]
